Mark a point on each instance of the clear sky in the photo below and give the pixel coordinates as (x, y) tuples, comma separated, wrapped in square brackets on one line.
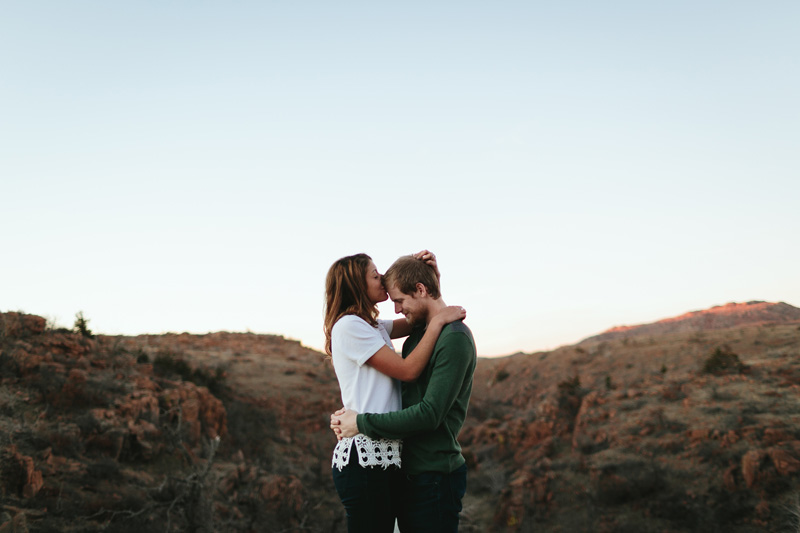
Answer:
[(197, 166)]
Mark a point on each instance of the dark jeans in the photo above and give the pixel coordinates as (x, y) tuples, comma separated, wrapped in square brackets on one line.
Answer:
[(432, 501), (370, 496)]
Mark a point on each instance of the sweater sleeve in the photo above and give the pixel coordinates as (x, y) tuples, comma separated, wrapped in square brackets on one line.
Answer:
[(451, 365)]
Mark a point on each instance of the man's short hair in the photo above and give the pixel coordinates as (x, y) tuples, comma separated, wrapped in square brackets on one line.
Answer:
[(407, 271)]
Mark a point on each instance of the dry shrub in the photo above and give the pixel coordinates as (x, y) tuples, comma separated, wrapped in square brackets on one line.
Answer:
[(722, 360), (628, 481)]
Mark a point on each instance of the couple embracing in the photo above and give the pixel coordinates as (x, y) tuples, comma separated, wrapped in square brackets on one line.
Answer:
[(398, 456)]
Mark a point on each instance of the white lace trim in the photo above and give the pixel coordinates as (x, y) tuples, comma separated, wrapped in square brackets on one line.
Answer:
[(371, 452)]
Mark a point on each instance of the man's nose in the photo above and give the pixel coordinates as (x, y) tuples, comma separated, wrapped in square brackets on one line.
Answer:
[(397, 308)]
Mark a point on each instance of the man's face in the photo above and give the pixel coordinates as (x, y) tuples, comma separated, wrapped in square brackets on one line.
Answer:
[(412, 306)]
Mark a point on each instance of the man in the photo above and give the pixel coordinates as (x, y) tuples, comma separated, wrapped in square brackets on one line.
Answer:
[(434, 407)]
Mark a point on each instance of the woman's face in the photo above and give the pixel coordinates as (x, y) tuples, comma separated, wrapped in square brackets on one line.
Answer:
[(375, 289)]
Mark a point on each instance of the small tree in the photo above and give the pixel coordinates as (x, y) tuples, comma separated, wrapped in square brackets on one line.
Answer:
[(82, 325), (723, 360)]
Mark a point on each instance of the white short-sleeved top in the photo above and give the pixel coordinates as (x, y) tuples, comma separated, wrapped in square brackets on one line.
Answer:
[(364, 389)]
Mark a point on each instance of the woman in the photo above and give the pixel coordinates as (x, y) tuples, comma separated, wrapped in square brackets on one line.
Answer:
[(368, 370)]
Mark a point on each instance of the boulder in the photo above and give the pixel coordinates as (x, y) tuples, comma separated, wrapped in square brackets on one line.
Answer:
[(784, 463), (18, 325), (283, 492), (751, 466)]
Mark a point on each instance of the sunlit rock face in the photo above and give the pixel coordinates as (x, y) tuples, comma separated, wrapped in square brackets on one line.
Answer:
[(718, 317)]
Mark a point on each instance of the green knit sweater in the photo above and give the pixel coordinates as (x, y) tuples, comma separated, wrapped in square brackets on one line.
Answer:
[(434, 406)]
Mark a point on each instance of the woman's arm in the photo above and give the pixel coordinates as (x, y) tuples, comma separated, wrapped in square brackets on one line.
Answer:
[(400, 328), (387, 362)]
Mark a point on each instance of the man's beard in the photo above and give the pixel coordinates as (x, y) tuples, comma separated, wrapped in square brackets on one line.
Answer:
[(416, 319)]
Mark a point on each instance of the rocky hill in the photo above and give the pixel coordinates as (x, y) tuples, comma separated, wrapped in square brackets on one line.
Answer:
[(695, 430), (671, 431), (218, 432), (718, 317)]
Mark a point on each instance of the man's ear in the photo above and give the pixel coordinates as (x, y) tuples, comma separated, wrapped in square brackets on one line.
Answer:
[(421, 290)]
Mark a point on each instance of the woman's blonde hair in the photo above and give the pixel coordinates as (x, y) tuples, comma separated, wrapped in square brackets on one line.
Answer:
[(346, 293)]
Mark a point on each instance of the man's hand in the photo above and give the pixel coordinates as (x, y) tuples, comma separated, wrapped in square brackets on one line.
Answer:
[(343, 423)]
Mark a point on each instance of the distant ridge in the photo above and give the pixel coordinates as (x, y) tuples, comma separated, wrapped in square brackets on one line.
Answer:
[(718, 317)]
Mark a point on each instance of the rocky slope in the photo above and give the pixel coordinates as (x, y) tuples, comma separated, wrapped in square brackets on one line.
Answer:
[(662, 431), (218, 432), (695, 430), (718, 317)]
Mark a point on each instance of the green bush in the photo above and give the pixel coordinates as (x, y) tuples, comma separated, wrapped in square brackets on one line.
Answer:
[(168, 364), (570, 395), (626, 482), (82, 325), (213, 380), (723, 360), (570, 386)]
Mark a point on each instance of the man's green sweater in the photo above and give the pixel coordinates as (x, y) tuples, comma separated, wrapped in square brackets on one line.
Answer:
[(434, 406)]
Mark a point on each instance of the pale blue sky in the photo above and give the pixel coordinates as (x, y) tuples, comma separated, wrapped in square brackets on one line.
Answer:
[(197, 166)]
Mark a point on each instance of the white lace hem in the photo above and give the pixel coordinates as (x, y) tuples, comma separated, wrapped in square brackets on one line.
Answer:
[(371, 452)]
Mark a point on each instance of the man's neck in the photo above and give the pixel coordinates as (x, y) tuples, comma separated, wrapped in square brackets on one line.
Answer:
[(434, 307)]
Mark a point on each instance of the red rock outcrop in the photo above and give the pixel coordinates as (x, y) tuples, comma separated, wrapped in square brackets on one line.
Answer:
[(20, 473), (751, 466), (16, 325), (197, 408), (784, 462)]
